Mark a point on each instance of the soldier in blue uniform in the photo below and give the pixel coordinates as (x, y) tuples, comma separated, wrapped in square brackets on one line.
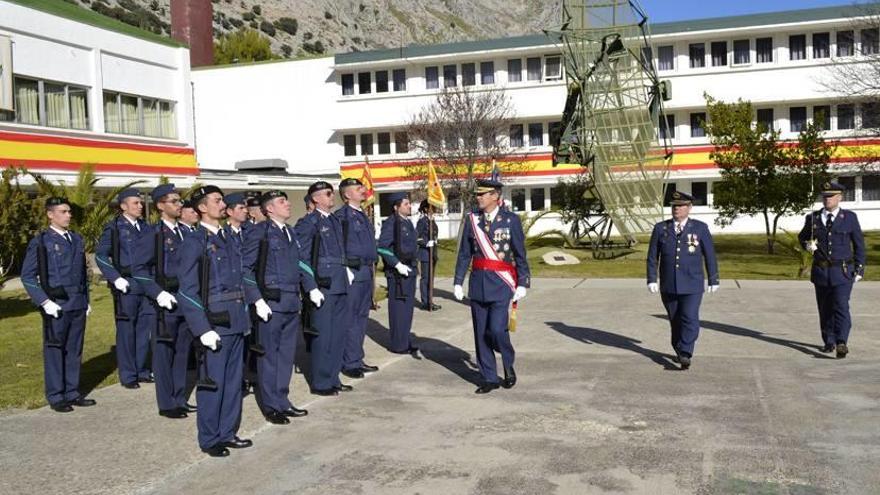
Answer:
[(359, 241), (212, 300), (189, 217), (398, 247), (679, 248), (493, 243), (255, 212), (54, 275), (171, 336), (320, 238), (135, 316), (273, 274), (835, 238), (236, 217), (427, 240)]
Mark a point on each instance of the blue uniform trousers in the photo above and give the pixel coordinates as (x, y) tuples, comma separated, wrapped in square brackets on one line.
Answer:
[(424, 279), (220, 410), (400, 312), (169, 363), (684, 318), (834, 318), (133, 337), (359, 300), (274, 369), (61, 365), (327, 346), (491, 335)]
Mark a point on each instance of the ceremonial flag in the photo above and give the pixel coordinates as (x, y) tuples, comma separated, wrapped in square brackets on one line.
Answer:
[(367, 181), (436, 196), (496, 176)]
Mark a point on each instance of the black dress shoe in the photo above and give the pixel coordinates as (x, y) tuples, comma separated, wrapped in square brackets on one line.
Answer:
[(325, 393), (414, 352), (176, 413), (189, 407), (294, 412), (828, 348), (237, 443), (842, 350), (61, 407), (297, 370), (366, 368), (217, 451), (276, 418), (486, 388), (245, 388), (131, 385), (435, 307), (343, 388), (509, 378), (355, 373), (148, 379), (83, 402), (685, 361)]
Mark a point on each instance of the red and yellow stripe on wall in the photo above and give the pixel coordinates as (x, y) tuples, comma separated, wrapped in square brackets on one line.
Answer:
[(45, 152), (684, 158)]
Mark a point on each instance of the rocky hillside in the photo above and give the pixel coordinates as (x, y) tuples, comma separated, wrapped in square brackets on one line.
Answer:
[(310, 27)]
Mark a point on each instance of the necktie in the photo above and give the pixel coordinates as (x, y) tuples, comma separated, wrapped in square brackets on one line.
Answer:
[(486, 224), (137, 226), (678, 228), (286, 232), (177, 233), (67, 237), (222, 235), (829, 222)]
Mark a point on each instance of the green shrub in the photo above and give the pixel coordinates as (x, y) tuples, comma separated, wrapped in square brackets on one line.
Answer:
[(287, 24)]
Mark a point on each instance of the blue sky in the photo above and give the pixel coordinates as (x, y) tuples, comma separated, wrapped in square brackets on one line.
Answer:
[(676, 10)]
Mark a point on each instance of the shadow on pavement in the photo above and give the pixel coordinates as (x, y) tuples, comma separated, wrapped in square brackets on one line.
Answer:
[(593, 336), (452, 358)]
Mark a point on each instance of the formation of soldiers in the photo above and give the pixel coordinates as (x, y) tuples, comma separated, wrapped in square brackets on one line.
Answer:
[(239, 294)]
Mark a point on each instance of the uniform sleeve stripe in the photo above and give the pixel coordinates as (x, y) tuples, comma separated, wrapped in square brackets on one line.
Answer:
[(103, 262), (32, 285), (249, 281), (385, 252), (145, 279), (305, 267), (193, 301)]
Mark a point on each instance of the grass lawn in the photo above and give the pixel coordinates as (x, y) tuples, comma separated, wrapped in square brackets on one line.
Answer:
[(21, 360)]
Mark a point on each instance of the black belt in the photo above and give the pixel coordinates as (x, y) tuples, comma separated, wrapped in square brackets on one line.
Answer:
[(829, 264), (225, 297)]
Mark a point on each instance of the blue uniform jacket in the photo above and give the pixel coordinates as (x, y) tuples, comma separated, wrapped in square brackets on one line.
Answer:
[(66, 266), (129, 240), (841, 253), (424, 236), (238, 239), (145, 258), (225, 291), (681, 259), (509, 241), (329, 271), (286, 269), (361, 240), (406, 252)]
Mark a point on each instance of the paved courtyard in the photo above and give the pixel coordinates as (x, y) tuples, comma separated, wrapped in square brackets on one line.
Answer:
[(599, 408)]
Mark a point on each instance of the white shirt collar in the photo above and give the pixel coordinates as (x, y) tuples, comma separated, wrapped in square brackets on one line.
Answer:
[(170, 225), (358, 208), (323, 213), (833, 213), (490, 217), (60, 231), (280, 225), (212, 229), (234, 229), (682, 223), (134, 223)]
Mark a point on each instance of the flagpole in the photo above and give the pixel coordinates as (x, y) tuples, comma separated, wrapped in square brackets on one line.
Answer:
[(372, 218), (430, 257)]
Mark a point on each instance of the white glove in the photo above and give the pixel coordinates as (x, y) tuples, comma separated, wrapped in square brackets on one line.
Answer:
[(350, 275), (653, 287), (812, 246), (88, 310), (51, 308), (519, 294), (712, 289), (166, 300), (459, 292), (402, 269), (210, 339), (121, 285), (263, 310), (431, 244), (858, 277), (316, 297)]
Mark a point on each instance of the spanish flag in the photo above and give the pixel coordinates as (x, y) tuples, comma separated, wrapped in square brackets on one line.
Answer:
[(367, 181), (436, 196)]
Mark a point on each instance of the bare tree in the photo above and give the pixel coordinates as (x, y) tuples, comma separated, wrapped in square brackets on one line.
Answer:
[(463, 132)]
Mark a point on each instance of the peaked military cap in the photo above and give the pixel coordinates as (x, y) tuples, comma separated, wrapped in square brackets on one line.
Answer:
[(487, 185), (680, 198), (188, 203), (253, 198), (57, 200), (161, 191), (350, 182), (397, 197), (832, 188), (319, 186), (307, 199), (270, 195), (201, 192), (127, 193), (236, 198)]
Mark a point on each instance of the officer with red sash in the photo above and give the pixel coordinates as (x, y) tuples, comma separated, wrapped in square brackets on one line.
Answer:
[(493, 243)]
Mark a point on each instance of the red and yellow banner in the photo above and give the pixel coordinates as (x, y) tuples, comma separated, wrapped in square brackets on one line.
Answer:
[(367, 181), (45, 152), (436, 196)]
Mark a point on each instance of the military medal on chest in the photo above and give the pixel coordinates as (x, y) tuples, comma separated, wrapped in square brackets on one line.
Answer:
[(693, 243)]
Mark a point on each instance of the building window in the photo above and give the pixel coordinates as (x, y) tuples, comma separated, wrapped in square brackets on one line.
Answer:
[(697, 53), (514, 70), (821, 45), (765, 119), (719, 53), (366, 144), (871, 188), (668, 192), (554, 132), (553, 68), (518, 199), (845, 44), (538, 195), (364, 82), (383, 139), (798, 118), (700, 192), (382, 81), (665, 58), (536, 134), (49, 104), (557, 198), (516, 136), (764, 50), (468, 74), (347, 84), (450, 76), (533, 69), (822, 117), (487, 72), (399, 76), (846, 117), (849, 184), (349, 145), (871, 115), (129, 114), (741, 52), (698, 125), (797, 47), (432, 76), (401, 142), (869, 41), (667, 127)]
